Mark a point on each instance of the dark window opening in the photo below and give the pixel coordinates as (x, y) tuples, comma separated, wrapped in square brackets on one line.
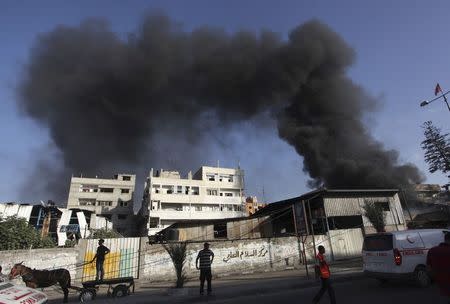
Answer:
[(345, 222), (220, 231), (107, 190), (283, 224), (125, 190), (153, 223), (126, 178)]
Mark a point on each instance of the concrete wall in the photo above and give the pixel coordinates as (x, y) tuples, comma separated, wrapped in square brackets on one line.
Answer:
[(232, 257), (48, 259)]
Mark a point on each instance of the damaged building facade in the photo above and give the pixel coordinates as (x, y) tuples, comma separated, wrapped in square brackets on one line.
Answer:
[(60, 224), (335, 216), (111, 198), (210, 193)]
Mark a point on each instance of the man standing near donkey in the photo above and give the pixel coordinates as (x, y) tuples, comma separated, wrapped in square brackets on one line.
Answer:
[(102, 250), (206, 257)]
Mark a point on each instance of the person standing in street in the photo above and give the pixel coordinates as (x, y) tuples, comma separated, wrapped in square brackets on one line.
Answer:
[(206, 257), (102, 251), (323, 270), (438, 264)]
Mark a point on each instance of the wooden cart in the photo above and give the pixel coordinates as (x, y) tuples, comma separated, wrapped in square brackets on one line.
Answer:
[(118, 287)]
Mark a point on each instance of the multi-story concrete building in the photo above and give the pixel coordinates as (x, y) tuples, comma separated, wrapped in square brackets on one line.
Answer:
[(211, 193), (112, 198)]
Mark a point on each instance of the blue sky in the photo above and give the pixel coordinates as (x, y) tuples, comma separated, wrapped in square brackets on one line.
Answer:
[(402, 50)]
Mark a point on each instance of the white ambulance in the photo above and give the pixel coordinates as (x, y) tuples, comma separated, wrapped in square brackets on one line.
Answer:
[(14, 294), (400, 254)]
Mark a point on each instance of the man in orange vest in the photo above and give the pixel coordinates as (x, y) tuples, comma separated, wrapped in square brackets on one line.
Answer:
[(324, 272)]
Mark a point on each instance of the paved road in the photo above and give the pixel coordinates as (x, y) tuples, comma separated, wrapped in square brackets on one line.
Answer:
[(359, 291), (356, 292)]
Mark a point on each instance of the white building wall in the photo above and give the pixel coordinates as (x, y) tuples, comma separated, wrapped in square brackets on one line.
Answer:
[(336, 206), (212, 193), (87, 194), (21, 211)]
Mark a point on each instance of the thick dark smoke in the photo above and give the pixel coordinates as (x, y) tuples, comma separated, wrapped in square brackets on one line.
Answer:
[(106, 99)]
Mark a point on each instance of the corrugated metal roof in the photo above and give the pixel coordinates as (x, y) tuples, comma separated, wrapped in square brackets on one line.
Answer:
[(338, 206), (321, 192)]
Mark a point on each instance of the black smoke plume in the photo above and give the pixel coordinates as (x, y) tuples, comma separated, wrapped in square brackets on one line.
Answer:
[(106, 98)]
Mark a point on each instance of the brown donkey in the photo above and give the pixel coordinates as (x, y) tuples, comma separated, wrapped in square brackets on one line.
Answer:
[(42, 278)]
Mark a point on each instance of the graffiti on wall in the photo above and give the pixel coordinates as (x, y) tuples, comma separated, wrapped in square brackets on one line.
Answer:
[(241, 254)]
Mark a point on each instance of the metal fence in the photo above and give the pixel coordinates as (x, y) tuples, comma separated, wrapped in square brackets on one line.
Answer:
[(122, 261)]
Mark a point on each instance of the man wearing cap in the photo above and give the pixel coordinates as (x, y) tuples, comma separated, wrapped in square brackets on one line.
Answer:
[(206, 257), (102, 250)]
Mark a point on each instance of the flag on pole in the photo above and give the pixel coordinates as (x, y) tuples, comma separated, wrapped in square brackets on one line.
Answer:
[(437, 89)]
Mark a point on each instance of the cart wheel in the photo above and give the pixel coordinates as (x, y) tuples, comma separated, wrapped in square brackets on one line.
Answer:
[(87, 295), (120, 291)]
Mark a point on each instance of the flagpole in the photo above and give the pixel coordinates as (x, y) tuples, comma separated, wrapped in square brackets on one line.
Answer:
[(443, 95), (437, 90), (446, 102)]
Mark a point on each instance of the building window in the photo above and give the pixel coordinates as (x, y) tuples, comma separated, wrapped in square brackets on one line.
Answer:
[(125, 190), (104, 203), (126, 178), (198, 208), (153, 223), (123, 204), (88, 188), (210, 177), (179, 189), (155, 205), (107, 190), (226, 178), (228, 194), (195, 190), (220, 231), (86, 202), (384, 206), (122, 216), (211, 192), (155, 189)]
